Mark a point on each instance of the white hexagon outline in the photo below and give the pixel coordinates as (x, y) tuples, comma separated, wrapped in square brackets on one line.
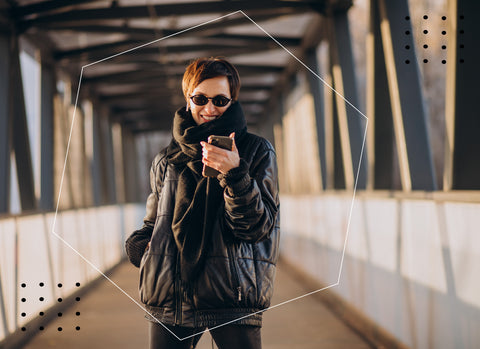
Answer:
[(305, 66)]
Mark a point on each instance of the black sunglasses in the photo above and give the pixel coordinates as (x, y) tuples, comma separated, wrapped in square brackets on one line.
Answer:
[(218, 101)]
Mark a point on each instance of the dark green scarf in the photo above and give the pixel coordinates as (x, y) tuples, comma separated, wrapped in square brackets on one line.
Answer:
[(197, 199)]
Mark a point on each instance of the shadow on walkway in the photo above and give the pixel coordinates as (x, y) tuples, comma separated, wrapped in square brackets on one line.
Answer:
[(106, 318)]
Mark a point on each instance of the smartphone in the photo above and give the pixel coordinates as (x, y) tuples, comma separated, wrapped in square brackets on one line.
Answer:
[(221, 142)]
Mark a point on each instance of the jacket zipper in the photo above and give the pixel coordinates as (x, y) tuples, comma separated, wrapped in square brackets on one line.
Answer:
[(234, 272), (178, 293)]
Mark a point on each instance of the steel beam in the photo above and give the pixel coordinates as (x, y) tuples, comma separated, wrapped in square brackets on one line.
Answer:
[(462, 168), (45, 6), (163, 10), (130, 167), (98, 183), (20, 140), (4, 124), (406, 96), (381, 139), (317, 91), (109, 160), (46, 136), (351, 123)]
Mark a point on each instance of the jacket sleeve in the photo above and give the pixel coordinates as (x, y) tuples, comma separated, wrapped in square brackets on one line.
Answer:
[(137, 242), (251, 197)]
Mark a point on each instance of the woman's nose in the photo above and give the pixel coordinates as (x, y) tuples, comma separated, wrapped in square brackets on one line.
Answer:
[(209, 106)]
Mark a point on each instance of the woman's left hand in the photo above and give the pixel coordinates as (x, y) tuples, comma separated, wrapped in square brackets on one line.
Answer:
[(222, 160)]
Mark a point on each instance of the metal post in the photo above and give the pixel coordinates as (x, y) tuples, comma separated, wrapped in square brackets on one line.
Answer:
[(4, 124), (99, 195), (351, 122), (46, 136), (129, 166), (20, 140), (109, 160), (406, 96), (462, 168), (379, 111), (316, 89)]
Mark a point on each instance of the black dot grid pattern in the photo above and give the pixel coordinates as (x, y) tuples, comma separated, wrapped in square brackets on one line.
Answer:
[(426, 32), (41, 313)]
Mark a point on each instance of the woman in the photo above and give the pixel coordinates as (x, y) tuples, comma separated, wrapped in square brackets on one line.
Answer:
[(208, 247)]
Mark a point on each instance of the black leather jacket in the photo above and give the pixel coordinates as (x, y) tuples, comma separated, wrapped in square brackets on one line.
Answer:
[(239, 270)]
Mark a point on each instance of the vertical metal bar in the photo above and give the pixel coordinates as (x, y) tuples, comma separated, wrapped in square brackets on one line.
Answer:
[(129, 166), (379, 110), (20, 140), (99, 196), (351, 123), (463, 74), (3, 310), (4, 124), (316, 88), (46, 136), (109, 167), (406, 95)]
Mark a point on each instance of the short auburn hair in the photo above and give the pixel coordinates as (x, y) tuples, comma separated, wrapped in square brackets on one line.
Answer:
[(207, 68)]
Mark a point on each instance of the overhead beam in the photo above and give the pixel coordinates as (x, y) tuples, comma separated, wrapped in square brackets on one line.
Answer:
[(209, 28), (46, 6), (183, 9)]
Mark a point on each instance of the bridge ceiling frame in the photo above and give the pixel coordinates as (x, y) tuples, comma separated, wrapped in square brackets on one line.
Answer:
[(80, 32)]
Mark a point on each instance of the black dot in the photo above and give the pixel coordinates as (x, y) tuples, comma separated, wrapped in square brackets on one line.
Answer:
[(444, 61), (462, 46), (407, 61), (462, 60), (462, 31), (425, 31), (41, 299), (59, 285), (407, 32), (444, 18), (425, 17), (24, 285), (41, 284), (77, 299), (444, 47), (24, 314), (59, 314), (77, 328), (444, 32), (407, 18), (41, 313), (425, 61), (59, 300), (407, 47), (77, 313), (24, 300), (24, 329), (59, 329), (425, 46), (462, 16), (77, 284), (41, 328)]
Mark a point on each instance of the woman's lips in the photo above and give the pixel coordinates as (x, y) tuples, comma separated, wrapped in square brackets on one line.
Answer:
[(209, 117)]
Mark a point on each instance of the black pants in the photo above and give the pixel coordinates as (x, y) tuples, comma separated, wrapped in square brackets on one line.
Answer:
[(226, 337)]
